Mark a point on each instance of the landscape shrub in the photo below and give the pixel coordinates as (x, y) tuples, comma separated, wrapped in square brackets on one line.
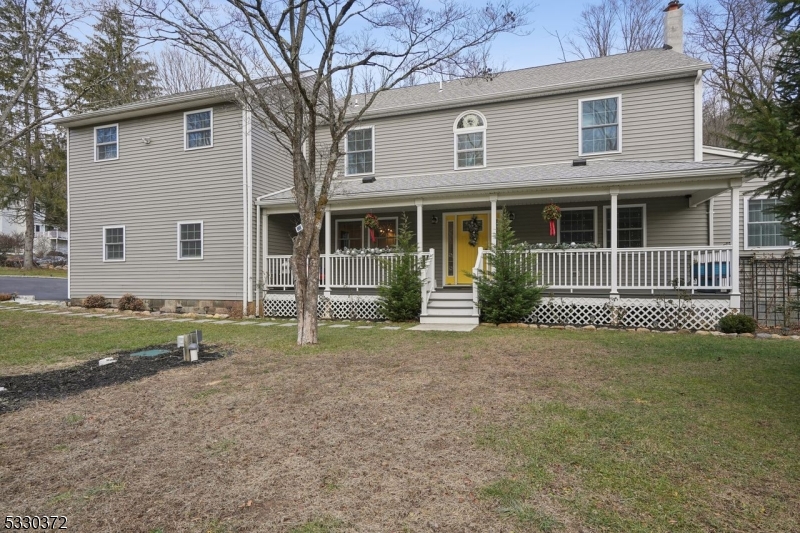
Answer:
[(129, 302), (95, 301), (4, 296), (737, 323), (508, 290), (401, 297)]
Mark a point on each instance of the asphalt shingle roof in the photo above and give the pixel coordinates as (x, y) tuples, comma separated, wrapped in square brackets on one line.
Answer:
[(562, 174), (620, 67)]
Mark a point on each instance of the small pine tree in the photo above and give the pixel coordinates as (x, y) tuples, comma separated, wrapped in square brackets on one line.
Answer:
[(508, 291), (401, 298)]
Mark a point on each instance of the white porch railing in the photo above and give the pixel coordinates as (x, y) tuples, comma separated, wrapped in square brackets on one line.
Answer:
[(680, 268), (686, 268), (348, 271)]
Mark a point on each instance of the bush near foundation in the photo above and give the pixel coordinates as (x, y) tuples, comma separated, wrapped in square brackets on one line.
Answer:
[(129, 302), (737, 323), (95, 301)]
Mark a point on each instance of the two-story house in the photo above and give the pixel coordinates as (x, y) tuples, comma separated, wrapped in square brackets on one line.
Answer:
[(185, 201)]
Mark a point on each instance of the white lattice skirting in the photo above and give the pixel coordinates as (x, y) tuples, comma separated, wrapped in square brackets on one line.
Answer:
[(336, 306), (651, 313)]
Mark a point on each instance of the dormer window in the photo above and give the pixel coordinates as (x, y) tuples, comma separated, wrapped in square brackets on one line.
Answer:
[(600, 125), (470, 140)]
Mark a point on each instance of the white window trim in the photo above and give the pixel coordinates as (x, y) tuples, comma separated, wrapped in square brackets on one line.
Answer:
[(594, 221), (94, 133), (366, 243), (480, 129), (202, 240), (186, 131), (124, 244), (336, 231), (644, 224), (346, 152), (396, 229), (619, 124), (747, 224)]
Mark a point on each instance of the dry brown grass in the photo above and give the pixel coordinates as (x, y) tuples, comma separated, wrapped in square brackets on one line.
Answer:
[(379, 440)]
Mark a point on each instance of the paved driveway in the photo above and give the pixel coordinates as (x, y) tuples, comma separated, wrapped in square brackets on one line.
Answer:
[(42, 288)]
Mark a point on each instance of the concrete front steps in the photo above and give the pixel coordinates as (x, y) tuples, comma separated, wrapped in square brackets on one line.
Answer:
[(450, 307)]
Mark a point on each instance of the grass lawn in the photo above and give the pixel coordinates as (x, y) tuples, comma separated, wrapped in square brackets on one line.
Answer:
[(46, 272), (377, 430)]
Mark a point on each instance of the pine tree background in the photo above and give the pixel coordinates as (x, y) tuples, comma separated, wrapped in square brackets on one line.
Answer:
[(111, 70)]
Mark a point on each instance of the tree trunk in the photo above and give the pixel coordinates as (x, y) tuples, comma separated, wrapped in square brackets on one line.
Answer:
[(27, 256), (306, 267)]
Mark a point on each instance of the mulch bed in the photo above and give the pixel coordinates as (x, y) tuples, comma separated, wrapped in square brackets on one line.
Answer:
[(58, 384)]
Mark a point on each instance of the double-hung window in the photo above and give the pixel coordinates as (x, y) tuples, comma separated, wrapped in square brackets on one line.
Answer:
[(114, 243), (353, 235), (360, 153), (105, 143), (600, 128), (577, 225), (763, 229), (190, 240), (470, 140), (198, 126), (630, 226)]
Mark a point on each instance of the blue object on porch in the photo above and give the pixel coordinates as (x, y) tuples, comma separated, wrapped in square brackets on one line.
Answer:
[(149, 353), (710, 274)]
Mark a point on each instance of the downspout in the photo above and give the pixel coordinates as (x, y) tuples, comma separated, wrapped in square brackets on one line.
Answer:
[(69, 228), (698, 116)]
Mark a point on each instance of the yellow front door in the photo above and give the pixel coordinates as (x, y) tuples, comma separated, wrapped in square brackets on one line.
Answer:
[(459, 255)]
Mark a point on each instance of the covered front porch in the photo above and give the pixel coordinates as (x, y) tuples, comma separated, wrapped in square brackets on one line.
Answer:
[(646, 239)]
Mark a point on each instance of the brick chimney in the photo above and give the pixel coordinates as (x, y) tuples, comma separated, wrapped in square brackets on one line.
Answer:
[(673, 26)]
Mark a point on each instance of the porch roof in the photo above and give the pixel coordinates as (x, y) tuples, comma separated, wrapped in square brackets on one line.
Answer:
[(562, 175)]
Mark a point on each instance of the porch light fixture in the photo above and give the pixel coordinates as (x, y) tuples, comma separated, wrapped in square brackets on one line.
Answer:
[(368, 179), (434, 220), (512, 216), (578, 162)]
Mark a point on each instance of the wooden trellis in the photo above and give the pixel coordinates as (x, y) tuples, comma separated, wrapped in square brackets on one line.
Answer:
[(768, 290)]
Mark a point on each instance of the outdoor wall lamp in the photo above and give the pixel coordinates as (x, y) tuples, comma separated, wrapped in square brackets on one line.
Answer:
[(434, 220)]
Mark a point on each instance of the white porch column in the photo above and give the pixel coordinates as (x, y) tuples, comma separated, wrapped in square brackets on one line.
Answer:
[(493, 219), (736, 296), (327, 262), (259, 278), (418, 203), (614, 258)]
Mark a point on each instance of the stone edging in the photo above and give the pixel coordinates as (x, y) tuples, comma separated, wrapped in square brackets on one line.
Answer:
[(646, 330)]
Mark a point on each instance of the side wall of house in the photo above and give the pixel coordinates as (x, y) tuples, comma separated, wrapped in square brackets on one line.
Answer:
[(149, 189), (271, 172), (657, 123)]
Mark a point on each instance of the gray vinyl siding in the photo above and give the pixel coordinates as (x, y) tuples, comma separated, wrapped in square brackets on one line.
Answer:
[(722, 217), (280, 230), (271, 171), (668, 221), (657, 124), (149, 189)]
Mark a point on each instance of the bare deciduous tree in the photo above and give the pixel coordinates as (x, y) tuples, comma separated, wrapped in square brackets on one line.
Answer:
[(618, 25), (296, 64), (596, 33), (738, 39), (180, 71)]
